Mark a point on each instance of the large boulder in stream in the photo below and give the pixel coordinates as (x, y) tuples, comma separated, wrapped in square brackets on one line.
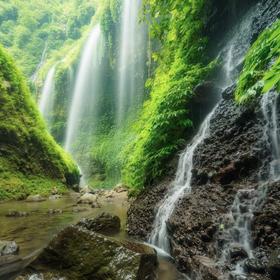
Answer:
[(77, 253)]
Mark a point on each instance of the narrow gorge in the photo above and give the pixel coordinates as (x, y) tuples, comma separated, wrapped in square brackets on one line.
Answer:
[(140, 140)]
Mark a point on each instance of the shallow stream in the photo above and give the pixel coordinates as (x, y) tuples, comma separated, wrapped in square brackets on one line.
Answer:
[(34, 231)]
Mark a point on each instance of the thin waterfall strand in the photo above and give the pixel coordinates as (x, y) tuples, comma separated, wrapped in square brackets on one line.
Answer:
[(181, 186), (46, 100), (83, 90), (131, 60)]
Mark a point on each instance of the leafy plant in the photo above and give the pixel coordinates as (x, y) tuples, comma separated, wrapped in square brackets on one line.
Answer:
[(261, 71)]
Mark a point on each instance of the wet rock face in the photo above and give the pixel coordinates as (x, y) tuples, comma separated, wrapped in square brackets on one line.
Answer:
[(233, 150), (230, 159), (269, 11), (77, 253), (142, 211), (266, 224), (104, 223)]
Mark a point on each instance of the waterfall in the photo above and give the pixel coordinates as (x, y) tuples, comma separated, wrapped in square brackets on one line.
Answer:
[(181, 186), (86, 87), (46, 100), (131, 63)]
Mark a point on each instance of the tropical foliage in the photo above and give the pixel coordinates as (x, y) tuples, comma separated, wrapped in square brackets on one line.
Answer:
[(181, 64), (261, 70)]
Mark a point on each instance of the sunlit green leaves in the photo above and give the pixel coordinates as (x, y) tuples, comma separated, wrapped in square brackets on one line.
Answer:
[(261, 70)]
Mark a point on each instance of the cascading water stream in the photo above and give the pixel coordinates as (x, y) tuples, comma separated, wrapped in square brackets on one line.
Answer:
[(46, 100), (85, 85), (181, 186), (131, 63), (236, 231)]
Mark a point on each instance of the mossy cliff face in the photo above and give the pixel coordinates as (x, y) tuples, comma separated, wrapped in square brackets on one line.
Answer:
[(30, 160)]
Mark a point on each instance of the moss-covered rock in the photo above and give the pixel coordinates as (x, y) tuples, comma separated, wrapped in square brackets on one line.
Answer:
[(77, 253), (30, 160)]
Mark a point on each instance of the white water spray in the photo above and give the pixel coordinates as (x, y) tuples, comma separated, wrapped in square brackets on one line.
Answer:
[(131, 59), (46, 100), (85, 85), (181, 186)]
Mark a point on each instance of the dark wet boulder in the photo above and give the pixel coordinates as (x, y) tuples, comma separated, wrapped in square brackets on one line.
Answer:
[(274, 264), (77, 253), (104, 223), (8, 248)]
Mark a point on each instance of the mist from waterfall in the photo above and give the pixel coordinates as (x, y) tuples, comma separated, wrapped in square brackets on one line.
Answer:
[(86, 88), (47, 96), (131, 61)]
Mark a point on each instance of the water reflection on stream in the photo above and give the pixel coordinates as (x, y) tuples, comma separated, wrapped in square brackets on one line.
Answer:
[(36, 230)]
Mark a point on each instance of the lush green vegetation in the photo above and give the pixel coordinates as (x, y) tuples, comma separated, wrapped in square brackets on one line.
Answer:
[(137, 152), (261, 70), (30, 160), (181, 65), (29, 27)]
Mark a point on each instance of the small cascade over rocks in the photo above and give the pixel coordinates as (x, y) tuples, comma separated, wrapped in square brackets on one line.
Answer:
[(235, 231), (47, 97), (234, 238), (181, 185)]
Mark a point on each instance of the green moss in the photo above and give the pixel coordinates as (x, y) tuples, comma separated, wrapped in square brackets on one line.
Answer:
[(261, 71), (28, 153)]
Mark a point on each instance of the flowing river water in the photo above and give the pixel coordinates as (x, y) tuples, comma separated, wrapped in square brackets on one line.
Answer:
[(34, 231)]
